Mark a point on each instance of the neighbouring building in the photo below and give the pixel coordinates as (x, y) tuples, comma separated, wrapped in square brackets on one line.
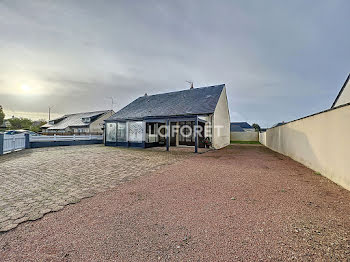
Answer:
[(79, 123), (242, 131), (241, 127), (194, 117), (5, 124), (278, 124), (344, 94)]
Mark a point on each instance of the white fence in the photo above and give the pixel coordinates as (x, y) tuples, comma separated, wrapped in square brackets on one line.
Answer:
[(64, 138), (13, 143)]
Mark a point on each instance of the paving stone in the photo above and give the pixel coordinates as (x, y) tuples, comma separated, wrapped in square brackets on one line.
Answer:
[(20, 220), (34, 182), (55, 207), (8, 227), (45, 210), (15, 216), (35, 216)]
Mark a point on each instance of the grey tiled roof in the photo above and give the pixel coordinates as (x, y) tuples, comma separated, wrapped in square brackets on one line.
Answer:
[(75, 120), (241, 124), (187, 102), (47, 125), (236, 128), (278, 124)]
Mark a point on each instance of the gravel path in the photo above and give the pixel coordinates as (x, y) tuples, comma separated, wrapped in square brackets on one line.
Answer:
[(242, 203)]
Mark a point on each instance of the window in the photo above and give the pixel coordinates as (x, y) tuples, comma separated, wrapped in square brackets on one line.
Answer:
[(151, 134), (121, 132), (86, 119)]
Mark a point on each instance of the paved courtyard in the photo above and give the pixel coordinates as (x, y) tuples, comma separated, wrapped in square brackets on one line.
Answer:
[(34, 182)]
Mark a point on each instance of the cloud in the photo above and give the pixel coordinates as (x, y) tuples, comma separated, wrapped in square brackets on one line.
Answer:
[(279, 64)]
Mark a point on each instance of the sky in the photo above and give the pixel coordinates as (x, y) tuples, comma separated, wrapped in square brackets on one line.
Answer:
[(280, 60)]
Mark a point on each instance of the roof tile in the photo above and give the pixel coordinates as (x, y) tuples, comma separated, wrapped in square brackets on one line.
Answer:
[(192, 101)]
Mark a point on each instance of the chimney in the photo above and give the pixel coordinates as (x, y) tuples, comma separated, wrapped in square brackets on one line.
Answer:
[(146, 94)]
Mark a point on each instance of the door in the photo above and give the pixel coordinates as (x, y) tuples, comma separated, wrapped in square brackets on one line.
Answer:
[(186, 136)]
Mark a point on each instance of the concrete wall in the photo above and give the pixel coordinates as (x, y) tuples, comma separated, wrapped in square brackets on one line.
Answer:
[(221, 136), (321, 142), (344, 98), (244, 136)]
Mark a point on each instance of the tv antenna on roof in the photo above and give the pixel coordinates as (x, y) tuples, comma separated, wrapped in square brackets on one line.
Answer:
[(190, 82)]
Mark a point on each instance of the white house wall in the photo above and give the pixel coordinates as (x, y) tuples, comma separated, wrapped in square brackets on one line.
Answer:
[(221, 136)]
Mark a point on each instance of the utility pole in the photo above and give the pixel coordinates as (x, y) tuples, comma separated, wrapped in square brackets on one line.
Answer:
[(112, 104), (50, 112)]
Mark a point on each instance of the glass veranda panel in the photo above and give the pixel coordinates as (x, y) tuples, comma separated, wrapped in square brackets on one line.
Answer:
[(111, 132), (121, 132), (135, 131)]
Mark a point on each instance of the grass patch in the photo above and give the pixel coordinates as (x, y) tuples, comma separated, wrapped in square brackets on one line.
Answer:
[(245, 142)]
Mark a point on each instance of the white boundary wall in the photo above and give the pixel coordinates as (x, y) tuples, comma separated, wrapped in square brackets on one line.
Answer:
[(244, 136), (320, 142), (262, 138)]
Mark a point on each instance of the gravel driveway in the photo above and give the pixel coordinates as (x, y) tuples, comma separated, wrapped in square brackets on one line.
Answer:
[(37, 181), (242, 203)]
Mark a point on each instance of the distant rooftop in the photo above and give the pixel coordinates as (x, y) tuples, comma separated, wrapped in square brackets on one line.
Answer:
[(241, 124), (278, 124), (236, 128), (75, 120)]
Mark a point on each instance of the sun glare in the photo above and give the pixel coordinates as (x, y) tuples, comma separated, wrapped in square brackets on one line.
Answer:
[(25, 88)]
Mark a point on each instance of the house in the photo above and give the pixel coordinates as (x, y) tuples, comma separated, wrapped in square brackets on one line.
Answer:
[(236, 128), (344, 94), (278, 124), (192, 117), (79, 123), (5, 124), (241, 127)]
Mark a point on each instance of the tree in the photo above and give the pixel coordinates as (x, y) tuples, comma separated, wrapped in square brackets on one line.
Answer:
[(36, 126), (256, 127), (20, 123), (2, 116)]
